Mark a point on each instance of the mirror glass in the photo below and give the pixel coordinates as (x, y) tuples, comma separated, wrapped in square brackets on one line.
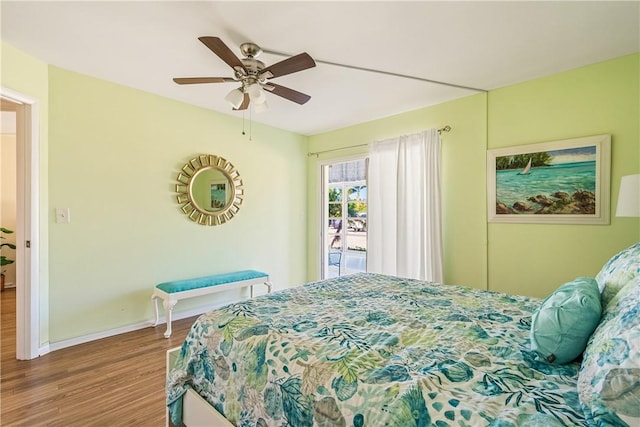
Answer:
[(209, 190)]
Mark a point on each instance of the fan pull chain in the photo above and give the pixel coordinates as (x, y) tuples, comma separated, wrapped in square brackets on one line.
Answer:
[(250, 123)]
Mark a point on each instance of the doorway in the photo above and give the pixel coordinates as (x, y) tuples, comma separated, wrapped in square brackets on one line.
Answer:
[(26, 111), (344, 218), (8, 190), (8, 218)]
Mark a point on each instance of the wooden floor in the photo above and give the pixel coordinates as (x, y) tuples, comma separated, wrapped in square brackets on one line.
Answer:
[(116, 381)]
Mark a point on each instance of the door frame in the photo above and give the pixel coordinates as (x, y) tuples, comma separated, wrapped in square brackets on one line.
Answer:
[(324, 200), (27, 223)]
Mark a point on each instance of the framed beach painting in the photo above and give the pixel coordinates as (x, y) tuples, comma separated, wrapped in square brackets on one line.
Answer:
[(558, 182)]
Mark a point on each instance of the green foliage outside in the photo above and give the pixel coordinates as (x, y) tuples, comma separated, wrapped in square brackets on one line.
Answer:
[(355, 208), (519, 161), (335, 195), (335, 210), (355, 190), (335, 203)]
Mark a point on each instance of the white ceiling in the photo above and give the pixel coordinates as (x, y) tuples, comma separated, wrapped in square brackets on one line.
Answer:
[(486, 45)]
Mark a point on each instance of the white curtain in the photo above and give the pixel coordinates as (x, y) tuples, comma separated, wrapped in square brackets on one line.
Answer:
[(404, 221)]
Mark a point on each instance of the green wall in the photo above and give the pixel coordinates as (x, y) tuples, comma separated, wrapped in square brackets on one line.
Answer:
[(529, 259), (114, 156), (463, 171), (603, 98), (27, 75)]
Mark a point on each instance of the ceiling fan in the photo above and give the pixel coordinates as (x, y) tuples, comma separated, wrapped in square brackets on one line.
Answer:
[(253, 75)]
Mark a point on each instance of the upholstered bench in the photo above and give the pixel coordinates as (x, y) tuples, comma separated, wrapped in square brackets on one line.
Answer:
[(172, 292)]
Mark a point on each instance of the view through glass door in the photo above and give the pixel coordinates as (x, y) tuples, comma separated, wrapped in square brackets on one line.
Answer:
[(345, 218)]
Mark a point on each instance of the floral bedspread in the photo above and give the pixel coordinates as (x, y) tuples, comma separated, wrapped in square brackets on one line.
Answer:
[(374, 350)]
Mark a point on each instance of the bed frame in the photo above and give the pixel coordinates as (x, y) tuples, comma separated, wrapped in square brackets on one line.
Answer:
[(196, 412)]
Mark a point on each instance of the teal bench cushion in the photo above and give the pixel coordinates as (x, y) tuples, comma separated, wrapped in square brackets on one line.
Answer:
[(204, 282)]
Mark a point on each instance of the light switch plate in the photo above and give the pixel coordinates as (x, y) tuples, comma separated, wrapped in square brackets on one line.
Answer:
[(63, 216)]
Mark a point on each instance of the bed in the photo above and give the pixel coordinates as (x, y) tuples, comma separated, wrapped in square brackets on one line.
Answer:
[(375, 350)]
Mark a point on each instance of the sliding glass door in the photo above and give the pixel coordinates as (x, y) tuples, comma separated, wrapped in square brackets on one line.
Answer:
[(344, 242)]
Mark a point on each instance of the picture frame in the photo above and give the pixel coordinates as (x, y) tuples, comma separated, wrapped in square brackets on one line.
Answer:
[(557, 182), (218, 195)]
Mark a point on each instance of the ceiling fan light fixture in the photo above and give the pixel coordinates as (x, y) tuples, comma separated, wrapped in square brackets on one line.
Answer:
[(235, 98), (261, 107), (257, 94)]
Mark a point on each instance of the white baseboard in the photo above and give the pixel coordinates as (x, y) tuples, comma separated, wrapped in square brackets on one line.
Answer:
[(53, 346), (44, 349)]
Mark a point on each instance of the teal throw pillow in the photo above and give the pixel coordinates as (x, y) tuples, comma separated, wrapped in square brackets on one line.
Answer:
[(562, 325)]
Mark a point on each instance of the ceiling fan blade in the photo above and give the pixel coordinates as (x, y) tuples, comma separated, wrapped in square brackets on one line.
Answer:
[(290, 65), (218, 47), (196, 80), (285, 92), (245, 103)]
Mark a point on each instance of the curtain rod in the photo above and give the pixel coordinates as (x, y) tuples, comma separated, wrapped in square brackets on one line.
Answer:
[(445, 128)]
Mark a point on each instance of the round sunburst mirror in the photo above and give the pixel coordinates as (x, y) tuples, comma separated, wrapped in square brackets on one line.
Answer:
[(209, 190)]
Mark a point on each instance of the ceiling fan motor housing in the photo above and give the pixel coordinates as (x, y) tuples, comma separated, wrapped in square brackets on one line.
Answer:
[(252, 67), (251, 50)]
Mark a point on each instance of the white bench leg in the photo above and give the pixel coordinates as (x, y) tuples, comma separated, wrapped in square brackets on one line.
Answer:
[(267, 284), (154, 301), (168, 311)]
